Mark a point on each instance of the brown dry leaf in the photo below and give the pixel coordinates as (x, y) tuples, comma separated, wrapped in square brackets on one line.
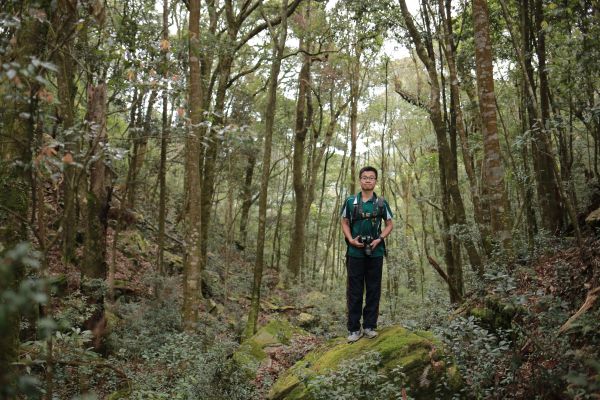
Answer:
[(45, 96), (48, 151), (67, 158), (164, 44)]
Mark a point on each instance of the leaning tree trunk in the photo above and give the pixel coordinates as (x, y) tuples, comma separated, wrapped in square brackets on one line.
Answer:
[(278, 47)]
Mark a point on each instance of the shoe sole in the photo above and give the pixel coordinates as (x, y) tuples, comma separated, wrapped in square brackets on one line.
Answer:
[(354, 341)]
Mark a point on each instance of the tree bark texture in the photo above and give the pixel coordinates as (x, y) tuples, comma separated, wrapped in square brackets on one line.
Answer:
[(296, 251), (192, 291), (164, 137), (278, 39), (65, 19), (493, 170), (453, 208)]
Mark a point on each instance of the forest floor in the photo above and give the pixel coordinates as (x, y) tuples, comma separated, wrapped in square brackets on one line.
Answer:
[(546, 357)]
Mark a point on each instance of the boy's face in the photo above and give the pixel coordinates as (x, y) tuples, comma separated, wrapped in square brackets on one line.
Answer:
[(368, 180)]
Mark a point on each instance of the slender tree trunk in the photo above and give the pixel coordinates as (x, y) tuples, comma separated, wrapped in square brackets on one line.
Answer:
[(315, 248), (247, 196), (278, 40), (354, 98), (66, 16), (164, 137), (453, 207), (298, 176), (276, 254), (548, 192), (192, 291), (140, 149)]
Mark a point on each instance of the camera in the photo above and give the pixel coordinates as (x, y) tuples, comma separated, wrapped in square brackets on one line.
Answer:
[(366, 240)]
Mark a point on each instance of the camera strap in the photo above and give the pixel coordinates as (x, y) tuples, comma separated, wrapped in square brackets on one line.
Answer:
[(375, 217)]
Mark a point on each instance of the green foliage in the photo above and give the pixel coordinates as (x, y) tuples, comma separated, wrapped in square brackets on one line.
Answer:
[(74, 311), (162, 362), (145, 325), (360, 379), (25, 296), (179, 366), (30, 292), (481, 356)]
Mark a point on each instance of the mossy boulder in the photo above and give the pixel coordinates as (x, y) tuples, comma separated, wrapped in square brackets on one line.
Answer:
[(133, 244), (593, 219), (418, 353), (251, 352), (173, 262), (494, 314)]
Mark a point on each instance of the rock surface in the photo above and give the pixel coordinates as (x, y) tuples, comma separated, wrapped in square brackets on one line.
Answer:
[(254, 350), (418, 353), (593, 219)]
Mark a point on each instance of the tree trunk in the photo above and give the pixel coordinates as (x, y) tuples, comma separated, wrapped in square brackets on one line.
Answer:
[(140, 149), (16, 183), (192, 291), (278, 39), (453, 208), (456, 111), (65, 18), (548, 191), (94, 266), (164, 137), (354, 98), (247, 196), (493, 177), (298, 177), (276, 250)]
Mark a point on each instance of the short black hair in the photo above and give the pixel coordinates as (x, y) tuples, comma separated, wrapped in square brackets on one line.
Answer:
[(367, 168)]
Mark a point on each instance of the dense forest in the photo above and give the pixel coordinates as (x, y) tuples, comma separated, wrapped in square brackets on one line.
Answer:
[(172, 175)]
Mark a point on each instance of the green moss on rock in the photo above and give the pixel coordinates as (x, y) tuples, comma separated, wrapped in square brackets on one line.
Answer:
[(415, 352), (252, 351), (495, 314)]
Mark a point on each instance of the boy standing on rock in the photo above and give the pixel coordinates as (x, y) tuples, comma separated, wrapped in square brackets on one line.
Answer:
[(362, 216)]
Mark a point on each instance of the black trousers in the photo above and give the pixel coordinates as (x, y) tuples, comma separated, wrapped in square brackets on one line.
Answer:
[(363, 273)]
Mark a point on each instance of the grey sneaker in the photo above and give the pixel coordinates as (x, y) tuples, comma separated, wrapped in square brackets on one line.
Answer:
[(354, 336), (370, 333)]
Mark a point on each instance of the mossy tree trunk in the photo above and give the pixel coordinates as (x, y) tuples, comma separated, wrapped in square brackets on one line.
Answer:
[(94, 267), (64, 22), (16, 139)]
